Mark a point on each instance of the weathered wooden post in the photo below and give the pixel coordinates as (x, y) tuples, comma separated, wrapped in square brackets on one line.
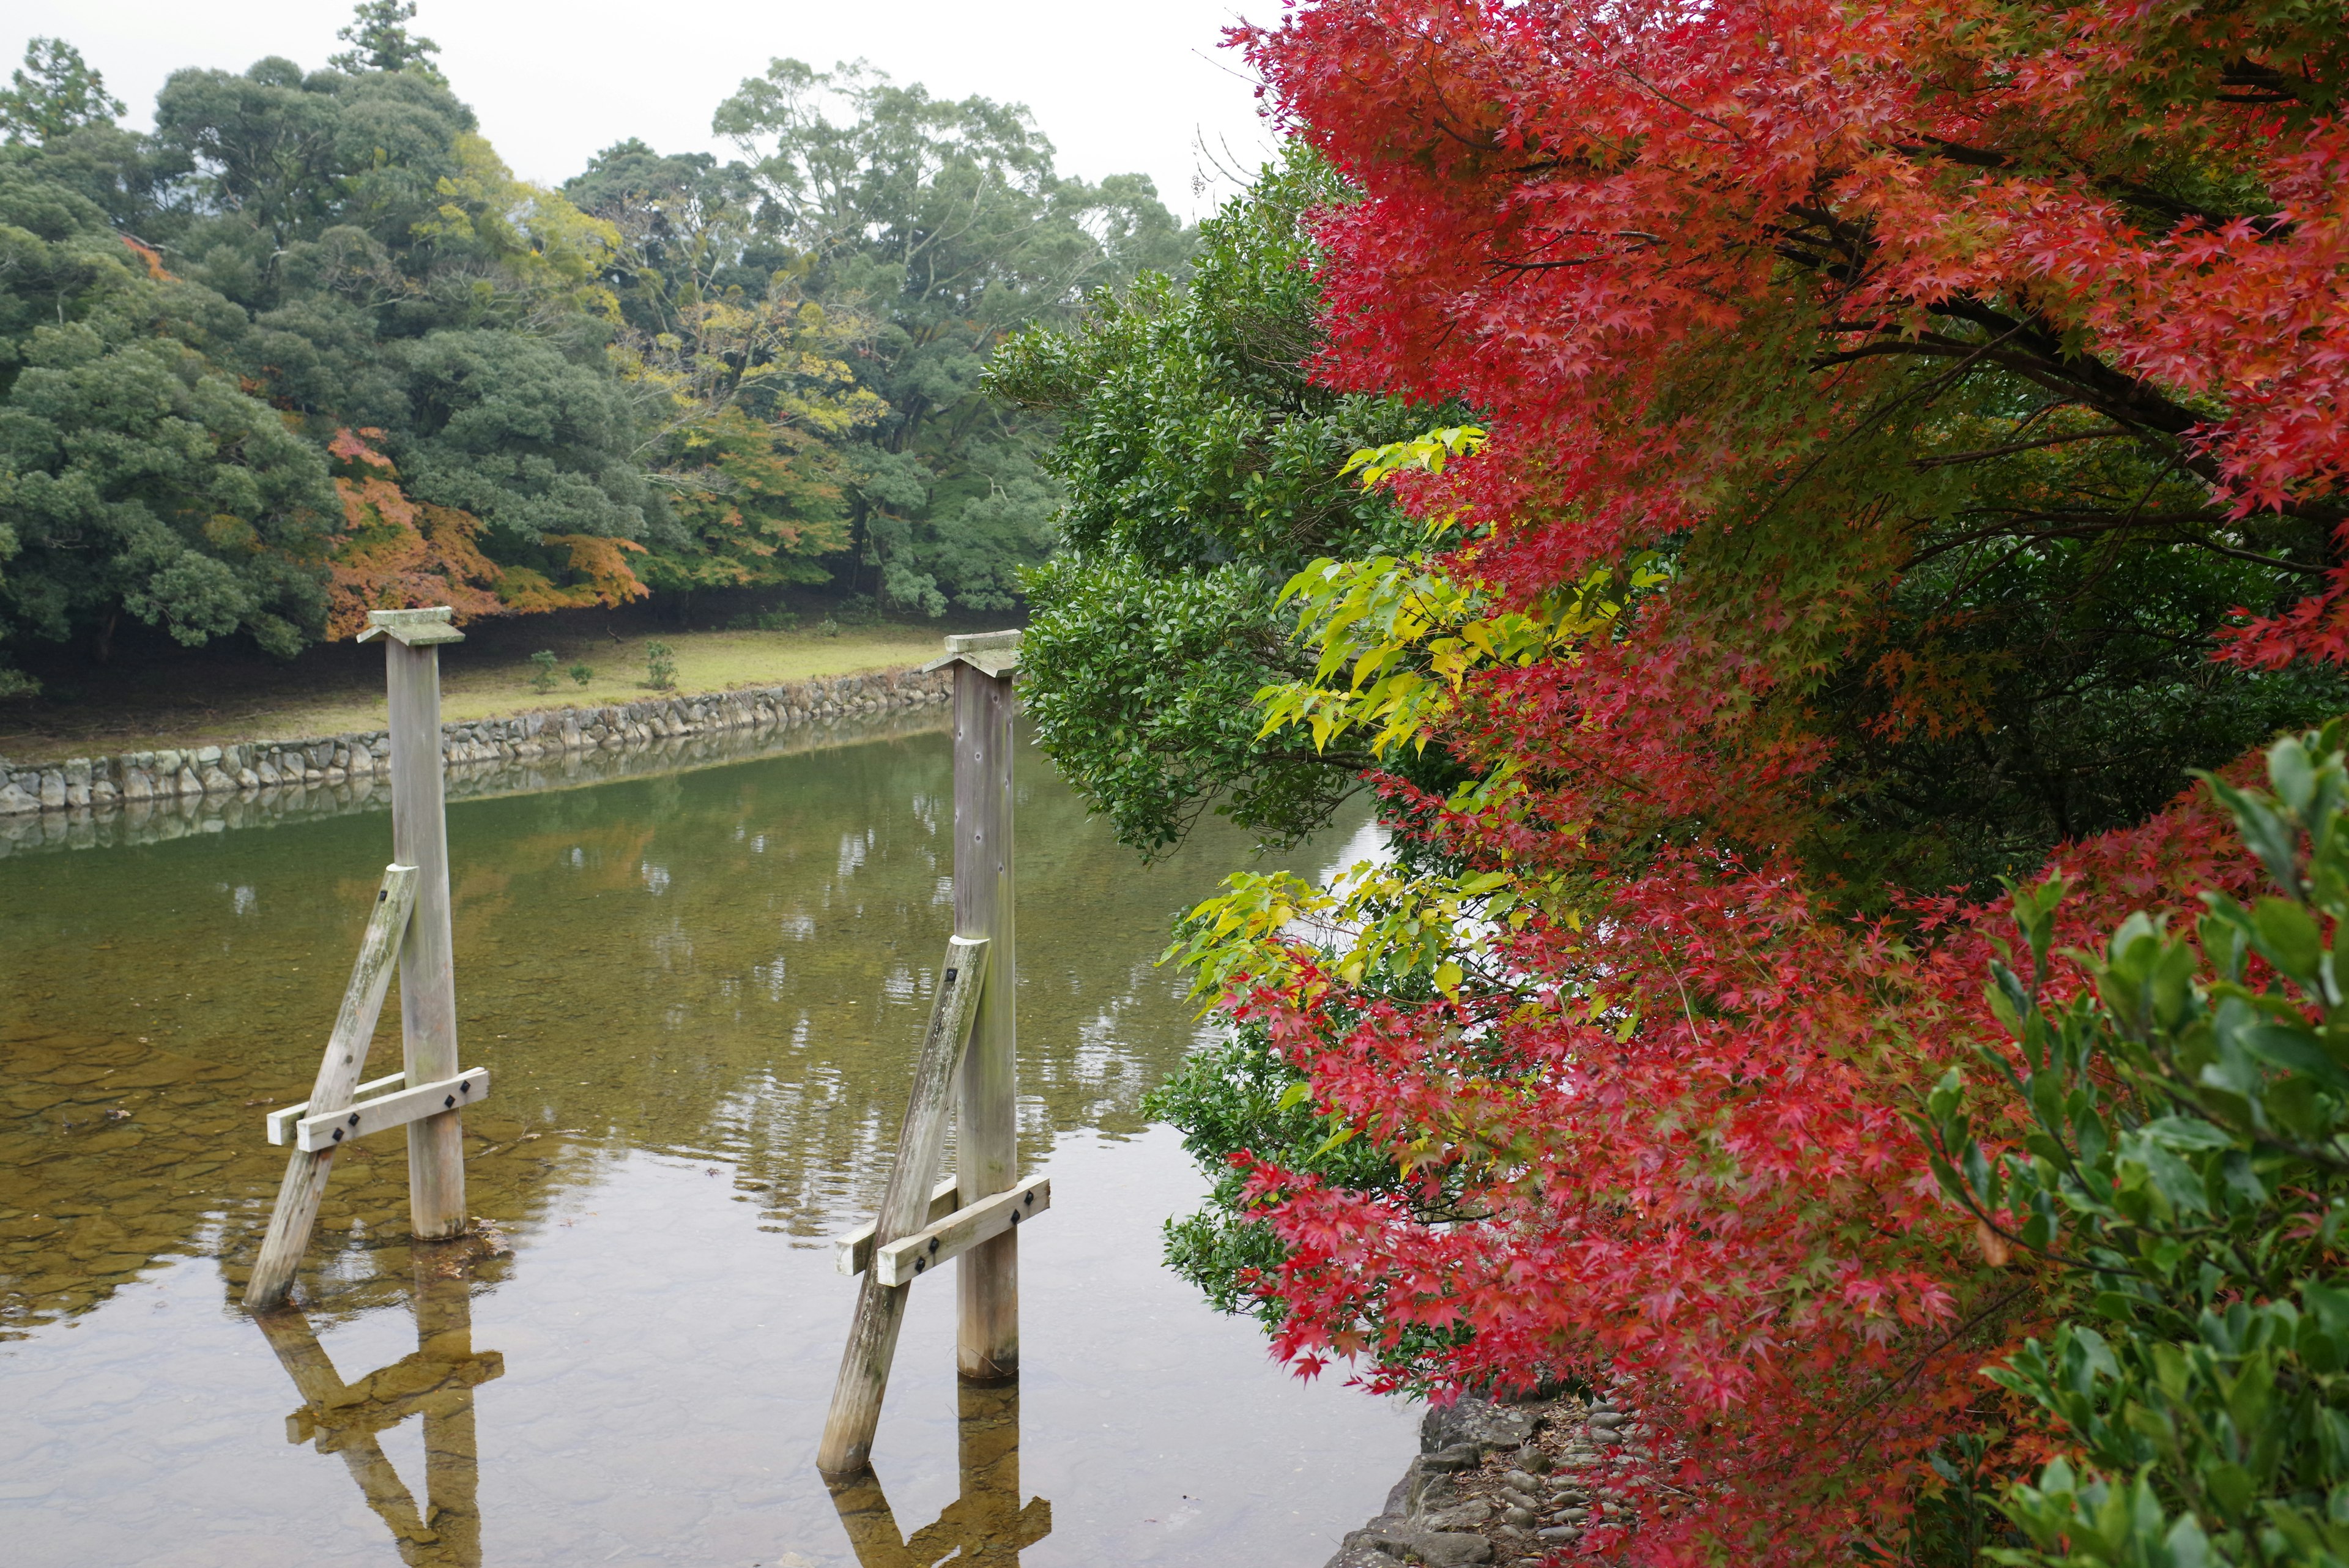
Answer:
[(976, 1216), (427, 974), (986, 1128), (411, 918)]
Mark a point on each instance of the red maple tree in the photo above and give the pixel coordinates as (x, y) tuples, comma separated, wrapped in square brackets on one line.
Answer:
[(1692, 261)]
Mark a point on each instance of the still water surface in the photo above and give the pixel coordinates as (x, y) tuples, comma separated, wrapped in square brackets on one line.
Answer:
[(701, 994)]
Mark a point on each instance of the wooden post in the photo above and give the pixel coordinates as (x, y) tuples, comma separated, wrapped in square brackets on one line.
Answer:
[(987, 1131), (338, 1075), (855, 1415), (427, 975)]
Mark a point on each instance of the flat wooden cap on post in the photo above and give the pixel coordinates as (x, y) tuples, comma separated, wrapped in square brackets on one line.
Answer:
[(415, 628), (991, 653)]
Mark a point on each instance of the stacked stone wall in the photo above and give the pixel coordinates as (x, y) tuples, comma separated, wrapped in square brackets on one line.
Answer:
[(254, 769)]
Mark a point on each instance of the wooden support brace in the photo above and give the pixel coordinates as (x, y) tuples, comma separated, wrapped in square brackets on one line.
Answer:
[(903, 1262), (305, 1172), (853, 1253), (361, 1117), (856, 1414), (281, 1121)]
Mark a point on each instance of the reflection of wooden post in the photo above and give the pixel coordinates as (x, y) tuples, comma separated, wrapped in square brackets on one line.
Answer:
[(453, 1468), (339, 1074), (986, 1521), (437, 1381), (987, 1131), (427, 975), (984, 1525), (872, 1529), (855, 1415)]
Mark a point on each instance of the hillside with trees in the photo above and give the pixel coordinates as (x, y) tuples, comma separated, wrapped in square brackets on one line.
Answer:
[(310, 347)]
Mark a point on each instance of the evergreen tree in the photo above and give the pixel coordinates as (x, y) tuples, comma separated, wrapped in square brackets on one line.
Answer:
[(381, 41), (54, 91)]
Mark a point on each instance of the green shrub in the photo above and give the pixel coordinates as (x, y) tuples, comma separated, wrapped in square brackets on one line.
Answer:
[(541, 674), (660, 666), (581, 674), (2183, 1168)]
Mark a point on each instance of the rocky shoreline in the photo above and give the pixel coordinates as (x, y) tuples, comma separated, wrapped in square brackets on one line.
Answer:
[(140, 796), (1503, 1483)]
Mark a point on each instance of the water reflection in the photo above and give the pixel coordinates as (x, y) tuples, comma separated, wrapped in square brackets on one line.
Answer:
[(436, 1383), (701, 993), (986, 1524)]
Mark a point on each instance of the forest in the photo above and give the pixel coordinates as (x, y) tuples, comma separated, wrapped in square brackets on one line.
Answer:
[(309, 347)]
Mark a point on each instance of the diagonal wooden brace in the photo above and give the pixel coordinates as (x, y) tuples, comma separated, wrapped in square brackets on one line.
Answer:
[(305, 1173), (855, 1415)]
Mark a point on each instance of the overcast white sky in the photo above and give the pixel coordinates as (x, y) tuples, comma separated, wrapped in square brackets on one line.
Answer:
[(1117, 86)]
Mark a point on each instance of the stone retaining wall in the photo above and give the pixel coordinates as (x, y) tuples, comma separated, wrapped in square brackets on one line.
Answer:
[(102, 784), (1508, 1483), (168, 818)]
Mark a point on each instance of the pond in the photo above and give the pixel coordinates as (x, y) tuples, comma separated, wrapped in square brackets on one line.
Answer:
[(699, 992)]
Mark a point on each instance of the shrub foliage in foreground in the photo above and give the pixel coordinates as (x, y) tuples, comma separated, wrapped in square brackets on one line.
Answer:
[(2171, 1141)]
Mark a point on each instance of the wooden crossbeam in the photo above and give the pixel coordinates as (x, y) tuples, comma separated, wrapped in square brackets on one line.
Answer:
[(304, 1185), (326, 1128), (853, 1252), (281, 1120), (902, 1261), (856, 1414)]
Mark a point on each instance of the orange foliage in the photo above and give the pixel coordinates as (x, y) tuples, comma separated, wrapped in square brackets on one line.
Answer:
[(602, 561), (397, 553), (151, 256)]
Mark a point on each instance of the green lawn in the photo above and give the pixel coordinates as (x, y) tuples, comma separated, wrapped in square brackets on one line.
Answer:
[(331, 690)]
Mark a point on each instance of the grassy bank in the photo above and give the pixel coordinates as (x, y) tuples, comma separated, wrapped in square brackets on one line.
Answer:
[(330, 691)]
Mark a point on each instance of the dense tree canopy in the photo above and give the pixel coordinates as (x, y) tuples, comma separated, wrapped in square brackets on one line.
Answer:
[(1202, 469), (135, 475), (946, 224), (672, 376)]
